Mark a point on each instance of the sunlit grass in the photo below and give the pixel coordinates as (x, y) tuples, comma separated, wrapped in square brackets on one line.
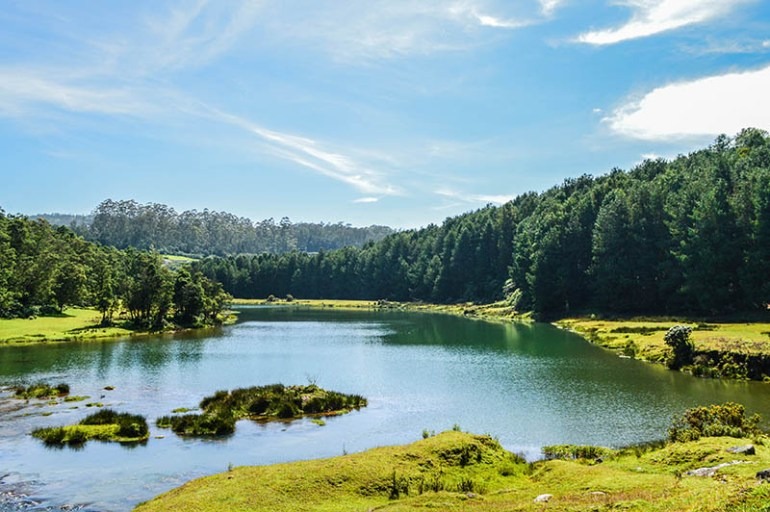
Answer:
[(73, 324), (647, 335), (458, 471)]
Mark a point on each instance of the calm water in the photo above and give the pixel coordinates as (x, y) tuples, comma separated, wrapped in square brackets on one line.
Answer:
[(529, 385)]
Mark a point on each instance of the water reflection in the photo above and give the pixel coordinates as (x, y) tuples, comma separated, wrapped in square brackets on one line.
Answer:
[(528, 384)]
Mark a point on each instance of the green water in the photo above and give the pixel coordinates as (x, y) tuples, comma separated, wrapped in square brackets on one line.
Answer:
[(529, 385)]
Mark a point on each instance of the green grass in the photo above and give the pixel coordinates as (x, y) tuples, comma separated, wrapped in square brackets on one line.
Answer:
[(42, 391), (262, 403), (647, 335), (105, 425), (460, 471), (73, 324)]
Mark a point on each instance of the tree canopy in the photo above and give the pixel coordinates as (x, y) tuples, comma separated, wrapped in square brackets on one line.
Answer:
[(690, 235), (44, 269)]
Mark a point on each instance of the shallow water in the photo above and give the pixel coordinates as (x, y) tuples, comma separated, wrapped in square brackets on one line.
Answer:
[(528, 385)]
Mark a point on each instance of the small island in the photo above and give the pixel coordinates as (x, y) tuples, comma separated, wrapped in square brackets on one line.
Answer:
[(260, 403), (41, 391), (105, 425)]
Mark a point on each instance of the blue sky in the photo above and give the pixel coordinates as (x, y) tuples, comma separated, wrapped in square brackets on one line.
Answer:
[(397, 112)]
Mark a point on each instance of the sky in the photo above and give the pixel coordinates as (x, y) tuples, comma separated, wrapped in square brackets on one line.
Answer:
[(393, 112)]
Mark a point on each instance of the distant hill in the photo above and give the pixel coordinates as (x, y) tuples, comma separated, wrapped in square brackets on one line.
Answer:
[(65, 219), (127, 223)]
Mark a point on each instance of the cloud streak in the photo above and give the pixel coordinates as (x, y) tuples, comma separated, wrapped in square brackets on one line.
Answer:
[(652, 17), (706, 106)]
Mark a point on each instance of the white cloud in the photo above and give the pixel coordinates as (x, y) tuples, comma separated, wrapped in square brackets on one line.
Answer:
[(707, 106), (655, 16), (366, 200), (474, 198), (384, 29), (27, 91), (311, 154), (547, 7)]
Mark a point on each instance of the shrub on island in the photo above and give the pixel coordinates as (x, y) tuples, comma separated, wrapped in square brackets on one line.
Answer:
[(105, 425), (41, 390)]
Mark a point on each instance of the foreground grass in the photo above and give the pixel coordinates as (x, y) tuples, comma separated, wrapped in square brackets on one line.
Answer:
[(644, 337), (73, 324), (458, 471)]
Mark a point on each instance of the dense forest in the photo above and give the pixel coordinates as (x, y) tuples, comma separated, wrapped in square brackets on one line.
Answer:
[(44, 269), (687, 236), (124, 224)]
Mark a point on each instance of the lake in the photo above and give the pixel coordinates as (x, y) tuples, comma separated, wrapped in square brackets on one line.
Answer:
[(529, 385)]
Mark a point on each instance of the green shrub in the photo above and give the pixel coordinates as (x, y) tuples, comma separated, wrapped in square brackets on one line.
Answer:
[(50, 435), (575, 452), (682, 348), (727, 419)]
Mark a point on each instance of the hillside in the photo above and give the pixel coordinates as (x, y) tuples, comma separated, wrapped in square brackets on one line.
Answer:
[(124, 224), (690, 236)]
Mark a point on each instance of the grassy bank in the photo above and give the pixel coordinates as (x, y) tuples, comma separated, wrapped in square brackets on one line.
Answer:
[(494, 311), (458, 471), (735, 349), (73, 324)]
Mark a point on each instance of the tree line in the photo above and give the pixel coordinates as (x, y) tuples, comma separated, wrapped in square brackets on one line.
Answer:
[(124, 224), (686, 236), (44, 269)]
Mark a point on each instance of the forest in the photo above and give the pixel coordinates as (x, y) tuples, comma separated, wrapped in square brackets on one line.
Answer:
[(44, 269), (124, 224), (686, 236)]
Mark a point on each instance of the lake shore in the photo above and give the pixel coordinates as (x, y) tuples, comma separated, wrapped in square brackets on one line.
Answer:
[(724, 349), (460, 471), (75, 324)]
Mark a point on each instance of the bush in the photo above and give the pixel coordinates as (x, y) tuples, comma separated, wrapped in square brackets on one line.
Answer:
[(50, 435), (728, 419), (682, 348)]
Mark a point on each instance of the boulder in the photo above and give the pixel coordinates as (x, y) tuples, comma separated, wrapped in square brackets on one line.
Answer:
[(543, 498), (743, 450), (764, 474)]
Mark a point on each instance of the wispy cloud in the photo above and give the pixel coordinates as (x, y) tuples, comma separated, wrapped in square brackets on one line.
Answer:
[(312, 155), (655, 16), (365, 200), (474, 198), (548, 7), (29, 92), (707, 106), (385, 29)]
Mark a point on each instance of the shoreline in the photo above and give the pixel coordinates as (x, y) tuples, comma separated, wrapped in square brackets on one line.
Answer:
[(736, 350), (77, 325)]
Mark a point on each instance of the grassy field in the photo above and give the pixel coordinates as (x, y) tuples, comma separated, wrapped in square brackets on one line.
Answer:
[(315, 303), (647, 335), (73, 324), (458, 471), (494, 311)]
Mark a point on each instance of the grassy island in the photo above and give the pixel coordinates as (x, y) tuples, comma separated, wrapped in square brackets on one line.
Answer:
[(105, 425), (713, 461), (261, 403), (41, 391)]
